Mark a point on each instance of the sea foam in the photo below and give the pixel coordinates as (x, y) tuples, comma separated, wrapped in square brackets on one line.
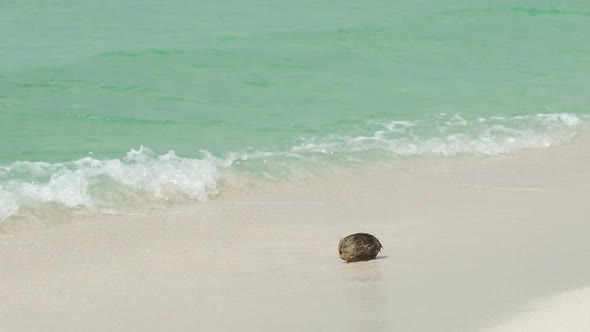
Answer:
[(140, 177), (450, 135), (144, 179)]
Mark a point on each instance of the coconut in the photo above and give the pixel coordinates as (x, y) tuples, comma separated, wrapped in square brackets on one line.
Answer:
[(359, 247)]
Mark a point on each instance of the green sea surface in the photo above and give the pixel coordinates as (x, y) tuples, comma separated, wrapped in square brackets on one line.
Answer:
[(96, 79)]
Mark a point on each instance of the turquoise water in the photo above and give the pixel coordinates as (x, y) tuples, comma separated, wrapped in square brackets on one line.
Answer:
[(113, 103)]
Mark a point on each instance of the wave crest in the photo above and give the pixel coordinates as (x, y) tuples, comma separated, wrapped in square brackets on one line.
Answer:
[(143, 179), (450, 135), (139, 178)]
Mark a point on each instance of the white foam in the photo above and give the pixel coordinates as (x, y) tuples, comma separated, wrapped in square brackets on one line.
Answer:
[(139, 178), (452, 135), (142, 178), (8, 204)]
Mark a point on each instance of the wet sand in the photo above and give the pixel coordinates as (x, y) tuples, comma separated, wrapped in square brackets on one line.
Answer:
[(470, 244)]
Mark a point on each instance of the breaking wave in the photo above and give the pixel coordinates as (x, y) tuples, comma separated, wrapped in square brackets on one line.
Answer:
[(144, 179), (450, 135), (138, 179)]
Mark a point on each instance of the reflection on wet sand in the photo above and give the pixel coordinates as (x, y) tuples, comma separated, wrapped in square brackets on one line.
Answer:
[(365, 295)]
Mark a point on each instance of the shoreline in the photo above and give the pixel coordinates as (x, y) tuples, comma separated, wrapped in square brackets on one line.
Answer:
[(143, 180), (468, 244)]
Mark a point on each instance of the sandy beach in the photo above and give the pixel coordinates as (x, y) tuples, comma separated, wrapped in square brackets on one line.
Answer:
[(470, 244)]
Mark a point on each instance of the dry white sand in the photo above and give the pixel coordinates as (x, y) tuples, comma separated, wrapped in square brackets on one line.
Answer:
[(470, 244), (569, 311)]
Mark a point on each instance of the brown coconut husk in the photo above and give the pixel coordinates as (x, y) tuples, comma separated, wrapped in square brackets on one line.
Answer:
[(359, 247)]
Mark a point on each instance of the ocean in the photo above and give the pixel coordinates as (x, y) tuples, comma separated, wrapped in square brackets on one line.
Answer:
[(115, 106)]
